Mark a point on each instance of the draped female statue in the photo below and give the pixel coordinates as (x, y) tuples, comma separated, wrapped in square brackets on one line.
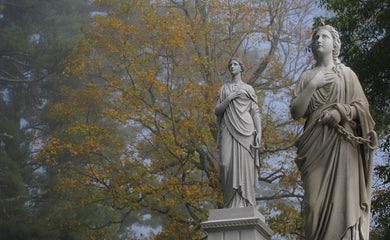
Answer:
[(335, 149), (238, 138)]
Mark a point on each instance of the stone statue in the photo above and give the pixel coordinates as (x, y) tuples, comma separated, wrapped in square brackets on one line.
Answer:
[(238, 140), (335, 149)]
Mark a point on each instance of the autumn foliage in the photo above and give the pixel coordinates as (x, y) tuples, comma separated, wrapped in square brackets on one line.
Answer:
[(134, 127)]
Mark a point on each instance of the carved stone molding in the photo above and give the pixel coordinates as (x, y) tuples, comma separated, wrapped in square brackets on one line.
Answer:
[(242, 223)]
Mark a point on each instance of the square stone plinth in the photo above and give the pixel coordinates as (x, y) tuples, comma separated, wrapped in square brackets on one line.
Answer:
[(236, 223)]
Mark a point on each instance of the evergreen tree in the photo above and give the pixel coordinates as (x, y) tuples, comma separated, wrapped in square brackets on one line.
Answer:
[(35, 37)]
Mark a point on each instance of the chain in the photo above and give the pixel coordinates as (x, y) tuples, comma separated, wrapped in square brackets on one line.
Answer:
[(371, 141), (352, 137)]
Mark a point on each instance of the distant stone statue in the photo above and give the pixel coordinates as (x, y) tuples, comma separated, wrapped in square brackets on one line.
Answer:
[(238, 140), (335, 150)]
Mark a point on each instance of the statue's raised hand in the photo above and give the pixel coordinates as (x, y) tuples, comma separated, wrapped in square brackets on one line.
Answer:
[(237, 94), (322, 79)]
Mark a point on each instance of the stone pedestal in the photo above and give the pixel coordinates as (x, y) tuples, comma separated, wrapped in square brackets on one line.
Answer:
[(236, 224)]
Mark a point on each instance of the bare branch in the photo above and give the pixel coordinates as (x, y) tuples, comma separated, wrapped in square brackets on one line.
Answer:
[(272, 176), (6, 135), (263, 65), (17, 80), (279, 196), (277, 150)]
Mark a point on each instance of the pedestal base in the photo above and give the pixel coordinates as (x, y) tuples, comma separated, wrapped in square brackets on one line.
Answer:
[(236, 224)]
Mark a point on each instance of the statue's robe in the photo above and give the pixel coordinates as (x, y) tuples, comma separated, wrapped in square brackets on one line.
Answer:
[(336, 172), (238, 161)]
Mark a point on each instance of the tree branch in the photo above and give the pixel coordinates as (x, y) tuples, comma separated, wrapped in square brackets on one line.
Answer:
[(279, 196), (16, 80)]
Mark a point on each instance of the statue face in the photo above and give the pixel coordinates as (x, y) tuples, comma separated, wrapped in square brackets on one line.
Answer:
[(234, 67), (323, 42)]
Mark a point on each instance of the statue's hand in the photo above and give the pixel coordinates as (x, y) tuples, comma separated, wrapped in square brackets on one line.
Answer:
[(322, 79), (236, 94), (258, 140), (331, 117)]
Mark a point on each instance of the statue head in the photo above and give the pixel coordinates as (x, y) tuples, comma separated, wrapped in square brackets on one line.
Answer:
[(335, 38), (239, 62)]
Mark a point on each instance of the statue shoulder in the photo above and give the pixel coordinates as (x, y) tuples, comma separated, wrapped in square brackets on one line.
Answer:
[(248, 87), (346, 71), (223, 87), (307, 76), (342, 67)]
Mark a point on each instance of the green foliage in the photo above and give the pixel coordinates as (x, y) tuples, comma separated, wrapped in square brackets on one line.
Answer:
[(381, 200), (14, 168), (35, 37)]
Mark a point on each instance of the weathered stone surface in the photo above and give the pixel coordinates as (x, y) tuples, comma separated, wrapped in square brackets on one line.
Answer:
[(335, 150), (239, 138), (236, 223)]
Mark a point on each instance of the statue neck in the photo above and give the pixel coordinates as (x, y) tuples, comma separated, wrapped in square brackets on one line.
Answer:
[(325, 61), (236, 79)]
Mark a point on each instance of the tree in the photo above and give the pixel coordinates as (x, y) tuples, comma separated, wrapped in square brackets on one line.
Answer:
[(13, 173), (15, 52), (139, 135), (364, 29), (36, 35)]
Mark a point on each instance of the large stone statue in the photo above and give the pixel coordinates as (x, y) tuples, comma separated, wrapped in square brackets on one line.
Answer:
[(334, 152), (238, 139)]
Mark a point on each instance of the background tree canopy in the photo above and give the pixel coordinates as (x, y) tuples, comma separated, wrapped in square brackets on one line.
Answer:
[(139, 135)]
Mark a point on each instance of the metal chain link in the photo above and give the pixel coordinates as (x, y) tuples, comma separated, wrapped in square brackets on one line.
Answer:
[(351, 137), (371, 140)]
